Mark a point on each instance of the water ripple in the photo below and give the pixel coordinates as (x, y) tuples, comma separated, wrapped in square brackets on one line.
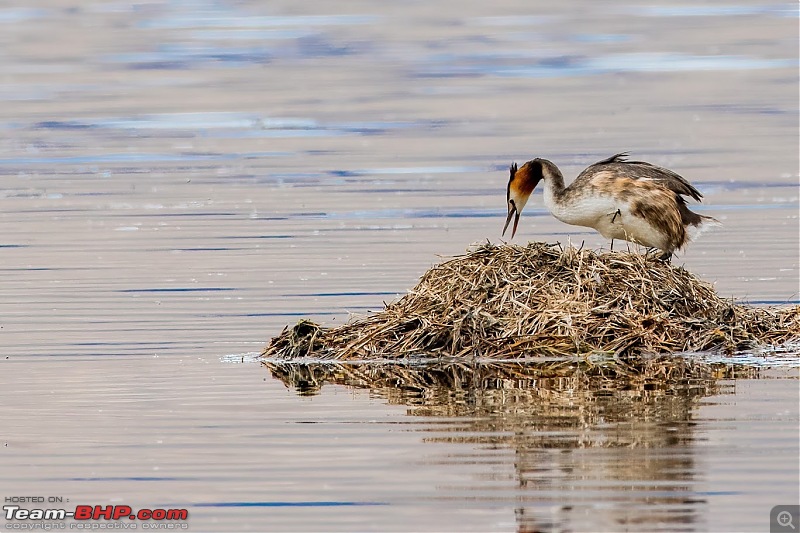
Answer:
[(212, 19), (577, 65), (775, 10)]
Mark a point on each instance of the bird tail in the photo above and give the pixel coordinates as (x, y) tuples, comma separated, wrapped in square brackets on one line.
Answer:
[(700, 225)]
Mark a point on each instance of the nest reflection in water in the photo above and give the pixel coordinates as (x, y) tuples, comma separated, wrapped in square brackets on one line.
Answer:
[(580, 433), (525, 398)]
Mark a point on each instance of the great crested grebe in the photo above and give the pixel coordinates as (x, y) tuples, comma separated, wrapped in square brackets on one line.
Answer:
[(629, 200)]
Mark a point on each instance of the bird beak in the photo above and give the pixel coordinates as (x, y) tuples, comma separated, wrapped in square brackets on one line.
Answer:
[(512, 212)]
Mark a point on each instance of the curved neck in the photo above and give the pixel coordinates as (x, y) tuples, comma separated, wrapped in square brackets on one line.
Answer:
[(553, 186)]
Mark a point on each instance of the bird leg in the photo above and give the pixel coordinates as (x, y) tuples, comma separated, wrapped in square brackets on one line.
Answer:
[(613, 218)]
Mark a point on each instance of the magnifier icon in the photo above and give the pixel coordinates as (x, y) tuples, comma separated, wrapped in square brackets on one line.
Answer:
[(785, 519)]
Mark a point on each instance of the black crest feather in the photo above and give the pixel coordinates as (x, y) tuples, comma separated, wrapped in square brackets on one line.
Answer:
[(512, 170), (616, 158)]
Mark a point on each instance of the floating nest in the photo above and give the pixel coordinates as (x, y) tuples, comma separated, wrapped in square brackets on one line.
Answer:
[(541, 301)]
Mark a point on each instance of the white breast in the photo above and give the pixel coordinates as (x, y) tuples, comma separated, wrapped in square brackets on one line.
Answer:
[(604, 213)]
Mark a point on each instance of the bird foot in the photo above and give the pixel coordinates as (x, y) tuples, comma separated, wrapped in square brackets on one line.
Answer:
[(666, 257)]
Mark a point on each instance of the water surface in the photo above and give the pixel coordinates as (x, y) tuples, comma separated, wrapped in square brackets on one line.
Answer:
[(180, 180)]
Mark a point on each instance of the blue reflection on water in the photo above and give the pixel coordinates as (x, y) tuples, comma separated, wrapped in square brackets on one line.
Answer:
[(21, 14), (778, 10), (238, 125), (135, 158), (211, 19), (454, 65), (288, 504)]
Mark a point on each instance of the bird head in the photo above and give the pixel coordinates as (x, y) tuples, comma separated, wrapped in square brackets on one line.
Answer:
[(520, 186)]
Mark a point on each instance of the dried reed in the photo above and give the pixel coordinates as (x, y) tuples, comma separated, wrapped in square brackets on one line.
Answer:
[(512, 302)]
